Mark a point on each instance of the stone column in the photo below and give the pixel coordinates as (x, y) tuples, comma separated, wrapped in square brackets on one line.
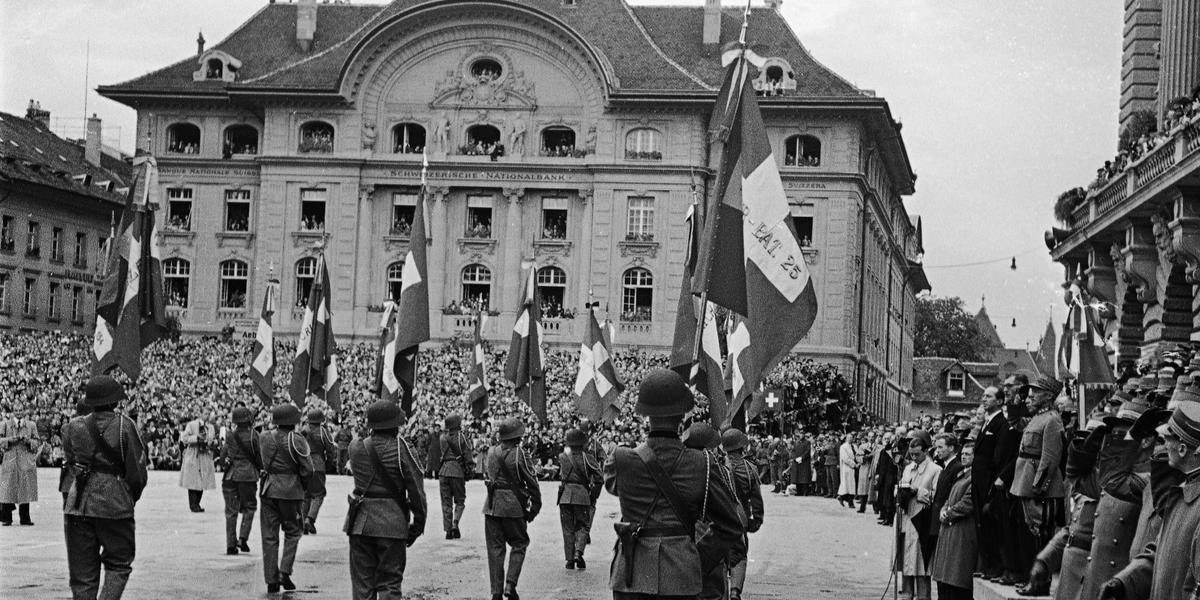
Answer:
[(1174, 292), (1185, 241), (1179, 68), (515, 237), (584, 257), (1140, 256), (438, 257), (366, 268)]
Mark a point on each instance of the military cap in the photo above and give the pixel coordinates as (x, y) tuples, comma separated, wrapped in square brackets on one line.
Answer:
[(733, 439), (242, 414), (453, 421), (1129, 412), (1181, 396), (384, 414), (701, 436), (285, 414), (664, 394), (315, 415), (102, 390), (511, 429), (1146, 424), (1048, 384), (576, 438), (1184, 424), (1166, 380), (82, 408)]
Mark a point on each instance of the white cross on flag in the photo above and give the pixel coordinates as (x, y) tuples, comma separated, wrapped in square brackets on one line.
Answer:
[(597, 386), (262, 365)]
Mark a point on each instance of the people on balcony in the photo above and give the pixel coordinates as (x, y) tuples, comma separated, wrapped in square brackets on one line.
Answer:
[(1183, 113), (563, 151), (479, 229), (316, 139), (638, 314), (312, 223), (553, 309), (230, 148), (408, 149), (402, 227), (469, 306), (179, 223), (554, 231), (237, 224), (181, 147)]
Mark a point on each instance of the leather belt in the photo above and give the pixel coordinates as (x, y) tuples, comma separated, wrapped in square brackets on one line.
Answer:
[(383, 495), (661, 532), (1081, 541), (1024, 454)]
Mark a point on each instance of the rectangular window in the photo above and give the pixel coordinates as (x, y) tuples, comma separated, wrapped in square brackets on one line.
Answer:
[(641, 218), (404, 206), (237, 210), (33, 243), (56, 244), (81, 249), (4, 277), (179, 209), (102, 247), (55, 287), (479, 217), (802, 222), (30, 297), (554, 218), (8, 242), (76, 303), (956, 383), (312, 209)]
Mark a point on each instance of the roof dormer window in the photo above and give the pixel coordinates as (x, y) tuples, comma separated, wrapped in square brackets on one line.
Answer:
[(216, 65), (775, 78)]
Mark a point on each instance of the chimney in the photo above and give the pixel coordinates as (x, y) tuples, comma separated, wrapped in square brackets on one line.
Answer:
[(712, 22), (774, 5), (200, 43), (306, 23), (91, 145), (34, 112)]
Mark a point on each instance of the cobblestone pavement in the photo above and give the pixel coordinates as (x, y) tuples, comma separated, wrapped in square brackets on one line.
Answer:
[(808, 548)]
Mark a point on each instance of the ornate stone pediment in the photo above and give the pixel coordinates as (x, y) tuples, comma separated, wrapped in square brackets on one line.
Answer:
[(1100, 278), (463, 88), (638, 248)]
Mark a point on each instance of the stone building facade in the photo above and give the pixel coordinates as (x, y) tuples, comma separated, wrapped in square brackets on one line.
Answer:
[(569, 132)]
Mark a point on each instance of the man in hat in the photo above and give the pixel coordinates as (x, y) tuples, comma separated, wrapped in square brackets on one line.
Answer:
[(1037, 478), (241, 457), (748, 491), (1169, 568), (456, 465), (664, 489), (581, 484), (197, 472), (513, 500), (106, 478), (285, 458), (323, 452), (388, 508)]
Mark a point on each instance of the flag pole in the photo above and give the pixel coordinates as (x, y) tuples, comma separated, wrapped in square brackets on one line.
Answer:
[(312, 290)]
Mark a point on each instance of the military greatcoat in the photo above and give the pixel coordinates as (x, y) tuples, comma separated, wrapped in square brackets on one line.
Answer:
[(1169, 567), (1122, 484)]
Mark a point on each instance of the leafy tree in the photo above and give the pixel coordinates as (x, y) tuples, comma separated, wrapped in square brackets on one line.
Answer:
[(945, 329)]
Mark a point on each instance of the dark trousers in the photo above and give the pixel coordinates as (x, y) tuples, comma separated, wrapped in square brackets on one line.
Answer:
[(713, 586), (950, 592), (92, 542), (376, 567), (6, 511), (241, 498), (279, 514), (990, 527), (1020, 547), (778, 469), (833, 478), (631, 596), (736, 559), (194, 498), (576, 521), (500, 532), (454, 500), (314, 496)]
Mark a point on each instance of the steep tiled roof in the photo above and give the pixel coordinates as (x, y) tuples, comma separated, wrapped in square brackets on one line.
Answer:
[(29, 152), (649, 48), (988, 329)]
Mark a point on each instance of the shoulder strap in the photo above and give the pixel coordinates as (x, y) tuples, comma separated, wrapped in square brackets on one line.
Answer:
[(103, 446), (255, 459), (274, 454), (388, 482), (665, 485)]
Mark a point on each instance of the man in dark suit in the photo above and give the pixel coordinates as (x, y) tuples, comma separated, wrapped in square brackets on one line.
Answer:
[(945, 450), (513, 501), (988, 462), (391, 509), (664, 488)]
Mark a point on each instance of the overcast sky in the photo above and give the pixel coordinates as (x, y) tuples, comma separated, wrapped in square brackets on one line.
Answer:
[(1004, 106)]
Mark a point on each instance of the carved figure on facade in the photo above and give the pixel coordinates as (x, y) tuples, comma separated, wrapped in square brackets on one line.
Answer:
[(368, 136), (589, 143), (516, 138), (473, 90), (1185, 234), (441, 132), (1141, 270)]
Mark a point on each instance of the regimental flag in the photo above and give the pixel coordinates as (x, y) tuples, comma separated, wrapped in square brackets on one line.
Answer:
[(412, 318), (749, 258), (1081, 350), (385, 383), (262, 361), (314, 369), (525, 357), (103, 358), (704, 372), (597, 387), (477, 393), (131, 300)]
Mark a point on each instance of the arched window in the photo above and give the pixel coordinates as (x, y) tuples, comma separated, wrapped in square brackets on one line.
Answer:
[(235, 277), (183, 138), (476, 287), (240, 139), (306, 275), (552, 290), (408, 138), (486, 70), (316, 137), (643, 143), (177, 276), (214, 69), (481, 140), (802, 151), (395, 280), (558, 141), (637, 295)]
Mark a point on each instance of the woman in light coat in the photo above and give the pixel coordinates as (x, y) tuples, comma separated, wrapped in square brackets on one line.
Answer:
[(848, 466), (196, 473), (915, 495), (957, 545), (18, 473)]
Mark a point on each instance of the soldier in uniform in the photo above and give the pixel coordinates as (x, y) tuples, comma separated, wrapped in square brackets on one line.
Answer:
[(388, 509), (664, 489), (106, 478), (240, 455), (456, 460), (323, 453), (778, 451), (1037, 478), (513, 501), (748, 490), (595, 450), (577, 494), (285, 459)]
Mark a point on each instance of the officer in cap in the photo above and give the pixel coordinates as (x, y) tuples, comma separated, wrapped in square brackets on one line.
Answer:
[(241, 457), (323, 453), (513, 500), (106, 479), (457, 462), (664, 489), (596, 452), (581, 484), (286, 462), (748, 489), (387, 511), (1038, 478)]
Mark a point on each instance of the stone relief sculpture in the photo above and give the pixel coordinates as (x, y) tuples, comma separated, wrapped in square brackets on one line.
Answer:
[(441, 132), (517, 138), (368, 136), (589, 143)]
